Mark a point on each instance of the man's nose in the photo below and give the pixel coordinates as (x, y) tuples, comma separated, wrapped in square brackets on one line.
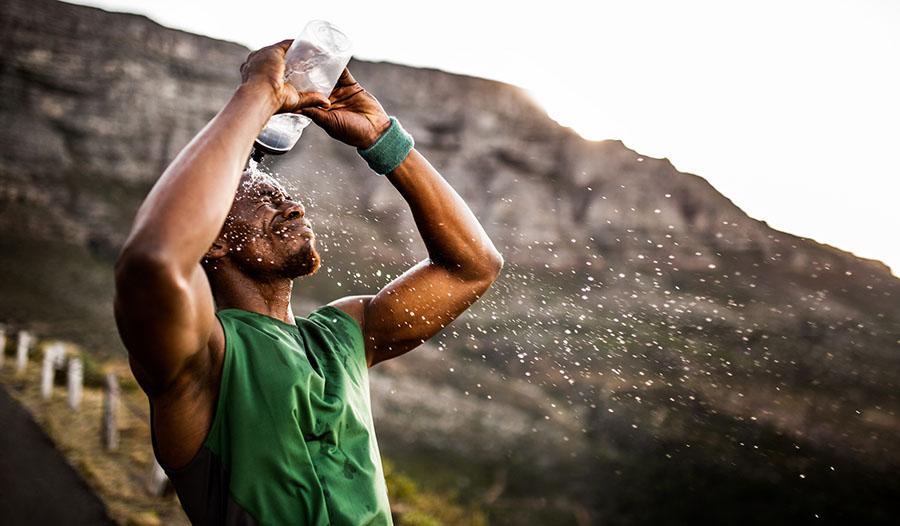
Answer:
[(294, 211)]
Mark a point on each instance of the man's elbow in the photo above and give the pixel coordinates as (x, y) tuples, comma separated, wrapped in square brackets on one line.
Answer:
[(483, 268), (493, 264)]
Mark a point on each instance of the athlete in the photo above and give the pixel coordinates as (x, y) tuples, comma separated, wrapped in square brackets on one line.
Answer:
[(258, 416)]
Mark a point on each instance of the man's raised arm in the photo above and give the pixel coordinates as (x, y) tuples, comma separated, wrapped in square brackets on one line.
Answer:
[(462, 261), (164, 306), (462, 264)]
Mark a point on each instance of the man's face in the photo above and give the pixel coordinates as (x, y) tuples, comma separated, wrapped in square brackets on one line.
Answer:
[(267, 231)]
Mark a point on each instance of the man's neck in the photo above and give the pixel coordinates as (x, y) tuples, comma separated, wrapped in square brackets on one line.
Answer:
[(270, 298)]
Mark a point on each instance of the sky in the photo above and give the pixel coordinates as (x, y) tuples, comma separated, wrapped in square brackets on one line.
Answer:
[(789, 108)]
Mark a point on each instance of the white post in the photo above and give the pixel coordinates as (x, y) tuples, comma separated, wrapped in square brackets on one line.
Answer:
[(22, 351), (110, 427), (75, 380), (47, 370), (2, 345)]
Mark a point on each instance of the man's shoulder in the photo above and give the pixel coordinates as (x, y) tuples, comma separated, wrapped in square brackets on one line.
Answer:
[(353, 306)]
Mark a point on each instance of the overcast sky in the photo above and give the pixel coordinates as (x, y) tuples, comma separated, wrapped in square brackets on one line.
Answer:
[(790, 108)]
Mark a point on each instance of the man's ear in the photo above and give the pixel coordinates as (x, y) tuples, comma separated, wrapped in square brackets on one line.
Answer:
[(218, 249)]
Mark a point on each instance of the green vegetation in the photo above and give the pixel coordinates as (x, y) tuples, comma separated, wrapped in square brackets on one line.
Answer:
[(414, 506)]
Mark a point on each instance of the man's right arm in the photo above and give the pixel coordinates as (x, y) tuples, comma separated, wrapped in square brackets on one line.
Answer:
[(164, 306)]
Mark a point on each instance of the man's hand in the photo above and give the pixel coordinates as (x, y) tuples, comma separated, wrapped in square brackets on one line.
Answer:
[(264, 71), (355, 116)]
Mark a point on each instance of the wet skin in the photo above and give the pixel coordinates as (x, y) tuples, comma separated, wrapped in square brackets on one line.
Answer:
[(267, 233), (209, 236)]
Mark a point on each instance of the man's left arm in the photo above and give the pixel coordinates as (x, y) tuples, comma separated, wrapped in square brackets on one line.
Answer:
[(462, 261)]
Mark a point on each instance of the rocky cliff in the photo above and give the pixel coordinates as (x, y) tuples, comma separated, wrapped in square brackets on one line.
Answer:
[(640, 313)]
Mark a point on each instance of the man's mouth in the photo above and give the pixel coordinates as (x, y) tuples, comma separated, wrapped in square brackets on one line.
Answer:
[(287, 224)]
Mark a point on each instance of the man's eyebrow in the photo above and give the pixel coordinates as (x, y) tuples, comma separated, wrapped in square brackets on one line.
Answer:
[(269, 190), (282, 192)]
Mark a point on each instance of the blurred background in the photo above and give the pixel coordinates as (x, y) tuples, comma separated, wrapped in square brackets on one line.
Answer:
[(661, 348)]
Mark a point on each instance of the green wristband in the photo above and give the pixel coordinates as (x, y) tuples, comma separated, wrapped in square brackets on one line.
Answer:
[(389, 150)]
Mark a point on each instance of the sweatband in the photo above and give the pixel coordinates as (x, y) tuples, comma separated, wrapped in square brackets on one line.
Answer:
[(389, 150)]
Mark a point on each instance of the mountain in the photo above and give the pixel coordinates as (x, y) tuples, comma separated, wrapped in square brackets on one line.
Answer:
[(651, 354)]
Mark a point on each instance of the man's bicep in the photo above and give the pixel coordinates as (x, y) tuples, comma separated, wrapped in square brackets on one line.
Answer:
[(414, 307), (164, 321)]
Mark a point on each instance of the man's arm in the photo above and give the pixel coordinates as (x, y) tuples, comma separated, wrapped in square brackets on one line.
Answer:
[(462, 261), (164, 306)]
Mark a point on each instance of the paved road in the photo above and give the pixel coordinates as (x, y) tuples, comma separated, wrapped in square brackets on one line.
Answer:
[(37, 486)]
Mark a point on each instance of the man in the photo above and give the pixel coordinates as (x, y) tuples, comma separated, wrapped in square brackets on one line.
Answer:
[(257, 416)]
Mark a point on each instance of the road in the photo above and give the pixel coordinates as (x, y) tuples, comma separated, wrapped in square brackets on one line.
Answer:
[(37, 486)]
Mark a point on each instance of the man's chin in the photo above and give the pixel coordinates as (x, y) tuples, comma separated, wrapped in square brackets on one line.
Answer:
[(305, 263), (315, 267)]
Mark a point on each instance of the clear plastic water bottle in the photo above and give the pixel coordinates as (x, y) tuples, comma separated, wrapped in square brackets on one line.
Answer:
[(314, 62)]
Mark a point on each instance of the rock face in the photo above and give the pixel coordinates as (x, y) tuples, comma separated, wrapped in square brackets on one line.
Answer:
[(639, 311), (95, 101)]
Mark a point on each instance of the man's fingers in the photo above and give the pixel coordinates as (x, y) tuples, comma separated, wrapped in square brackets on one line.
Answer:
[(280, 47), (316, 114), (346, 79), (312, 100), (294, 101), (284, 45)]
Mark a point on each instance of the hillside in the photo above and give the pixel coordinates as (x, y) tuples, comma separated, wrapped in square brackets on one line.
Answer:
[(650, 355)]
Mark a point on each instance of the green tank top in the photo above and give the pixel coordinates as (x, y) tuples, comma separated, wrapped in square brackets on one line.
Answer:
[(292, 440)]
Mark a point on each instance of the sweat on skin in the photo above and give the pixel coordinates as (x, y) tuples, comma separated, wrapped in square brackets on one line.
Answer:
[(203, 289)]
